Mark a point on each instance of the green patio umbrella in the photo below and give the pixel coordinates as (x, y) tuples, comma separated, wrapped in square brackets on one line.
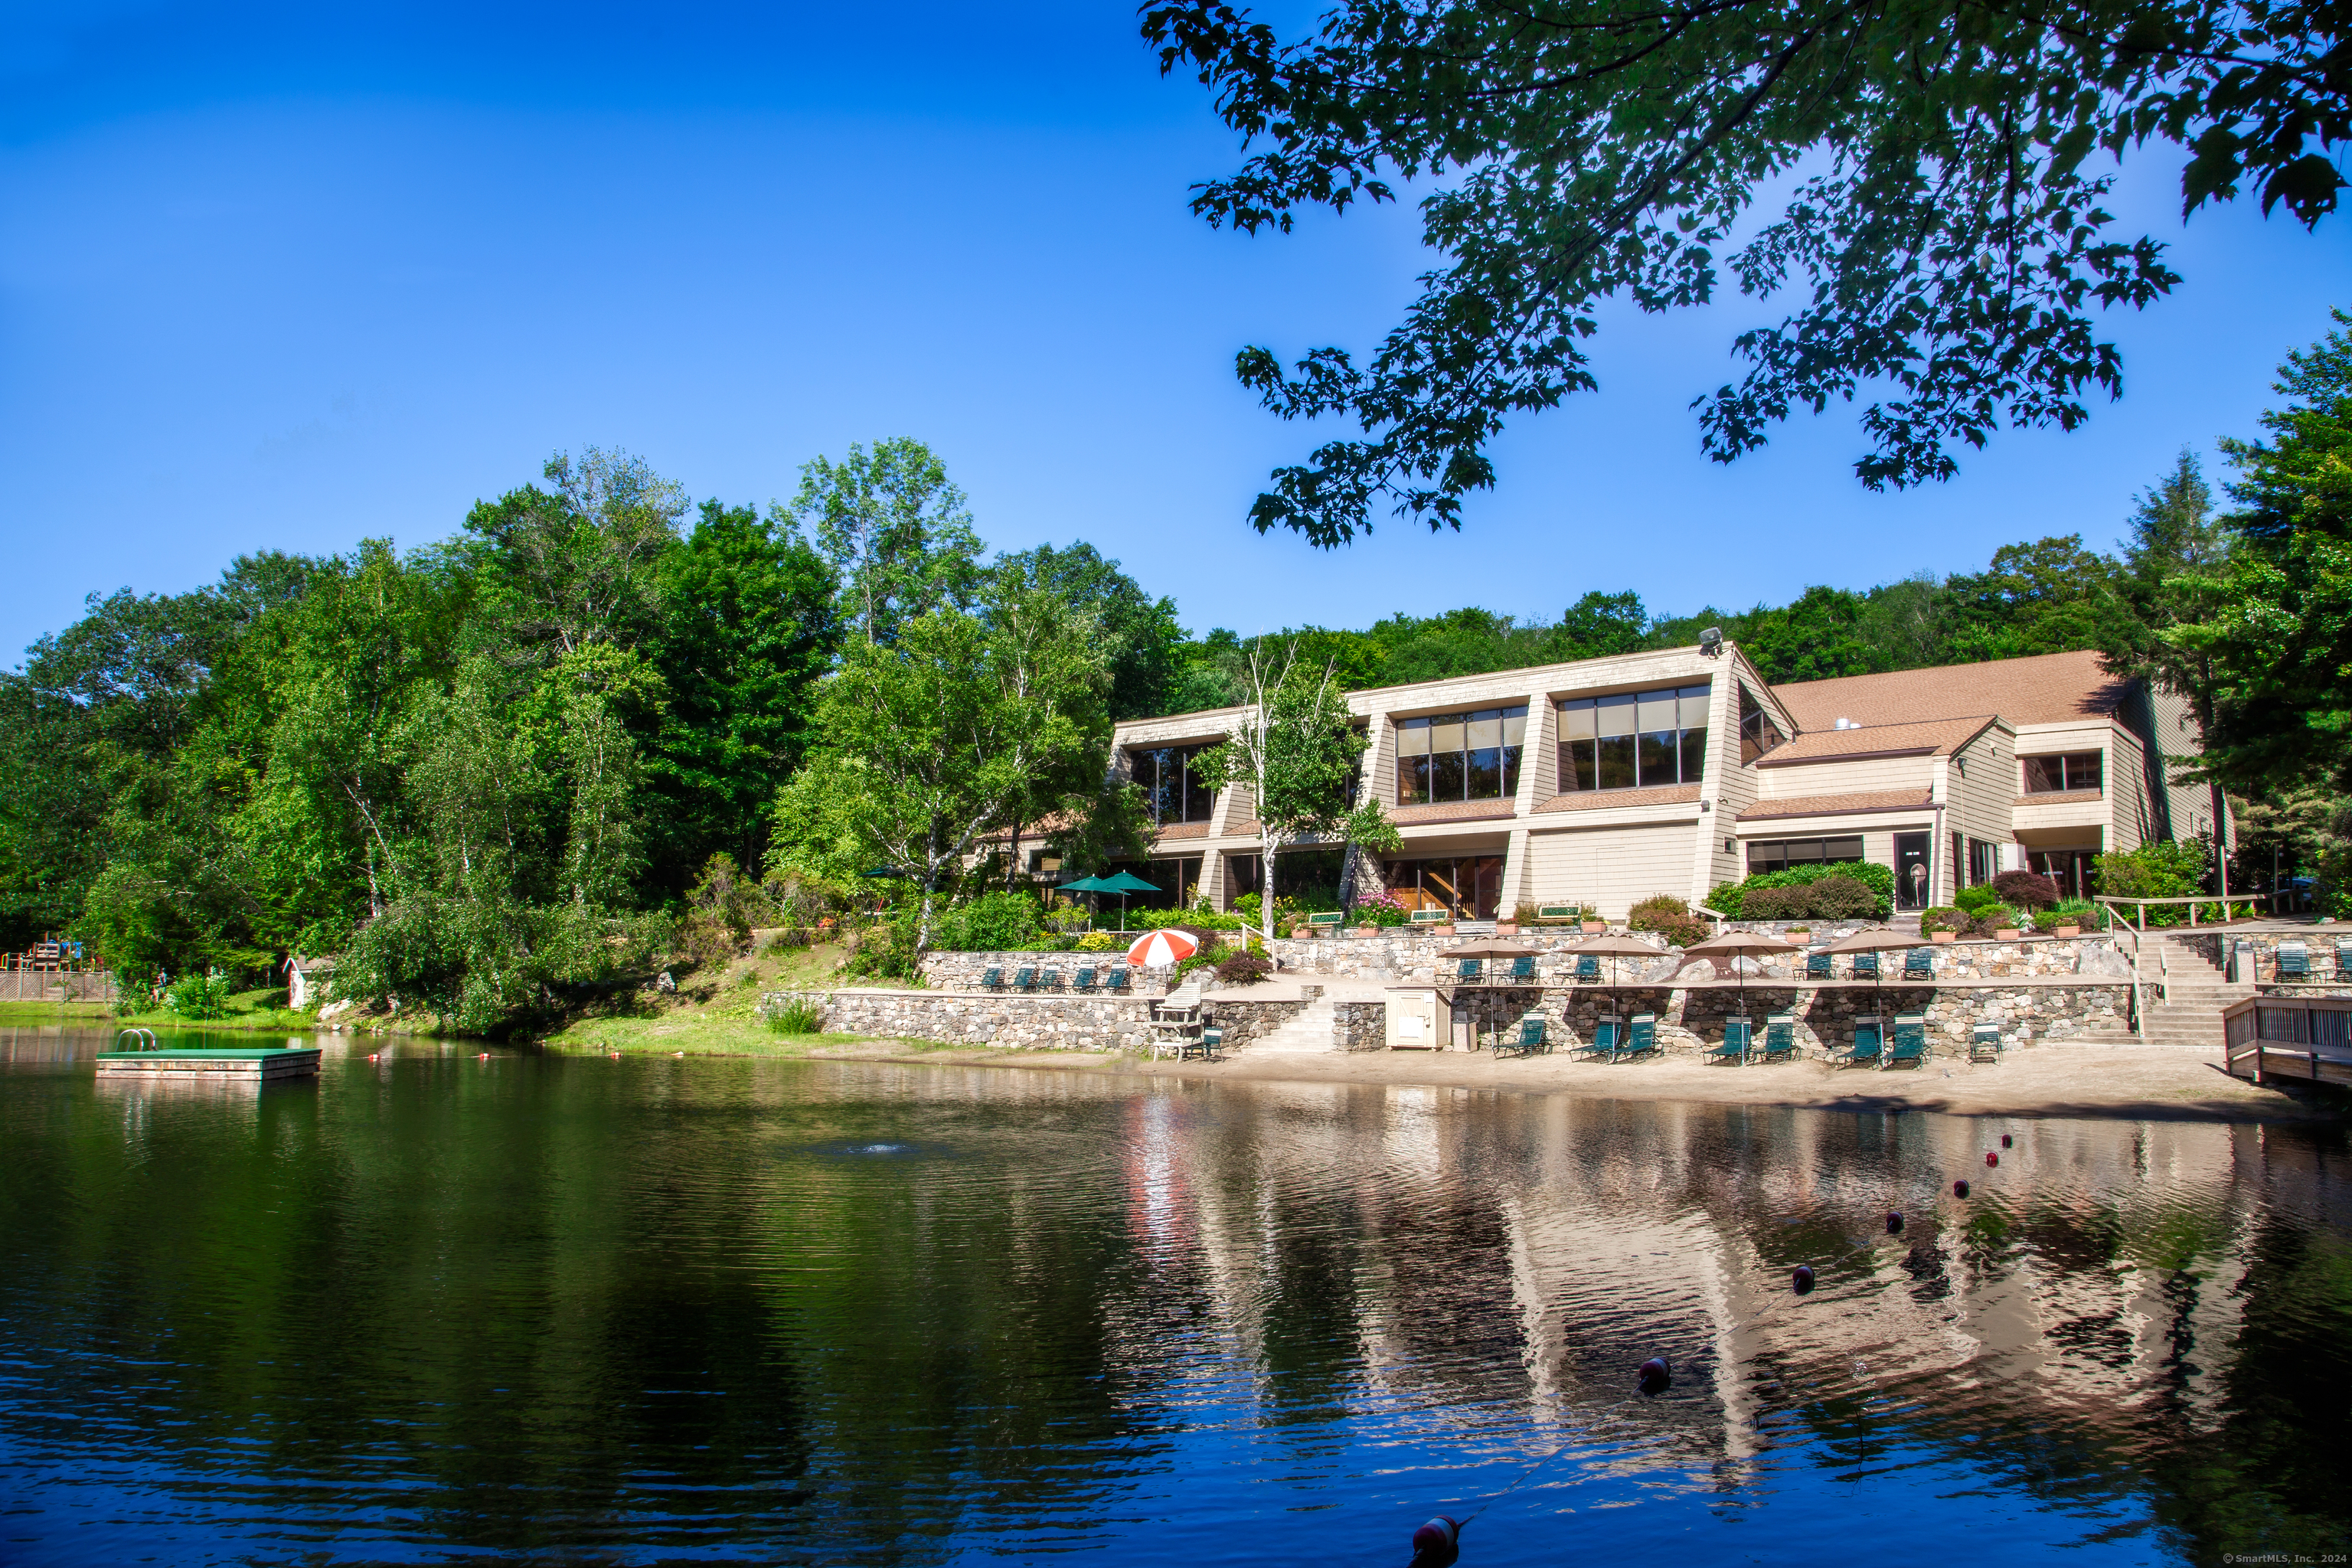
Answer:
[(1087, 885), (1124, 884)]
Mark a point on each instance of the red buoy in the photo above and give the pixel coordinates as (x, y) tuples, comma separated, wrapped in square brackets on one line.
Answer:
[(1657, 1375), (1960, 1189), (1803, 1279), (1437, 1543), (1991, 1158), (2005, 1141), (1895, 1222), (483, 1058)]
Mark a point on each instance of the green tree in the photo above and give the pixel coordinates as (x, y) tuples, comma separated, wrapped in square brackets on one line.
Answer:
[(1929, 162), (1141, 639), (895, 530), (749, 622), (1298, 751), (561, 570), (1815, 636), (2049, 596), (934, 736)]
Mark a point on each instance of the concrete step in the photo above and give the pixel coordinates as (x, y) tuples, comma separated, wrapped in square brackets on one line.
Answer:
[(1313, 1032)]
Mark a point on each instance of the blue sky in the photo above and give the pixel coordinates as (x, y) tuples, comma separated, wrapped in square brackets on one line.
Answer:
[(292, 277)]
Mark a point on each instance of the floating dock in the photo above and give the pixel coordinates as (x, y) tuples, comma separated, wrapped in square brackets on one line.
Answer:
[(240, 1064)]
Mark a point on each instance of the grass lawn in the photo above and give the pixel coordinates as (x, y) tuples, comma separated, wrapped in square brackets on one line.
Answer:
[(717, 1014), (249, 1011)]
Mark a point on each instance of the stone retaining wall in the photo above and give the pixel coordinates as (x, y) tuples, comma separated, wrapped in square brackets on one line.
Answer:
[(1062, 1023), (1406, 955), (1360, 1026), (962, 970), (2216, 943)]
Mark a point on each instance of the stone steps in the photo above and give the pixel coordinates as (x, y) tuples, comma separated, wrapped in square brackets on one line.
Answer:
[(1314, 1031), (2189, 1015)]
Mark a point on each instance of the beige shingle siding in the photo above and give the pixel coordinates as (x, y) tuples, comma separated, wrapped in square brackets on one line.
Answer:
[(1981, 787), (1612, 867), (1868, 775)]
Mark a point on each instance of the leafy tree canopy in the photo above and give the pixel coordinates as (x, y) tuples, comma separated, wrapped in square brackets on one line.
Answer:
[(1939, 172)]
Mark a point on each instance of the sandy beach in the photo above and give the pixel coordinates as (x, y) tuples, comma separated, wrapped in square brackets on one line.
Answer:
[(2142, 1083)]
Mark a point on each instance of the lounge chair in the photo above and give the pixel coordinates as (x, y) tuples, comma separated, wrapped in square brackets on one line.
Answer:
[(1606, 1034), (1025, 980), (1640, 1036), (1587, 967), (1119, 979), (1820, 966), (1780, 1037), (1910, 1041), (1866, 966), (1984, 1044), (991, 980), (1919, 964), (1528, 1042), (1869, 1047), (1467, 969), (2293, 963), (1205, 1045), (1739, 1034), (1084, 982), (1523, 969), (2342, 962)]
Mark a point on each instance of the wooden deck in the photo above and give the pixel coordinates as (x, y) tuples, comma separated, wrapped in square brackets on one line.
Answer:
[(2308, 1038), (262, 1063)]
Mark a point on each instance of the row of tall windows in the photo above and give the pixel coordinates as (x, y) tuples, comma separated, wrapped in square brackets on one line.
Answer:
[(1175, 788), (1460, 756), (1780, 853), (2049, 775), (1635, 739)]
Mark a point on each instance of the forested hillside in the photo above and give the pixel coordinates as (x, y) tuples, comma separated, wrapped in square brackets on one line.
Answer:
[(497, 771)]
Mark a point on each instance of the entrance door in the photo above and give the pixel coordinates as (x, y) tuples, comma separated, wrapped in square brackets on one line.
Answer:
[(1912, 874)]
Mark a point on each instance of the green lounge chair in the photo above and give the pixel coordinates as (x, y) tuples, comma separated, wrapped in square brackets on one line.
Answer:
[(1467, 969), (1640, 1036), (1528, 1042), (1119, 979), (1739, 1034), (2293, 963), (1523, 969), (1869, 1047), (1205, 1045), (1919, 964), (1084, 982), (1780, 1037), (1587, 967), (1910, 1041), (1984, 1044), (991, 980), (1025, 980), (1607, 1033), (1820, 966), (1866, 966)]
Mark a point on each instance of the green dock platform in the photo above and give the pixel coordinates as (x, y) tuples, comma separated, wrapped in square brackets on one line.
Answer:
[(241, 1062)]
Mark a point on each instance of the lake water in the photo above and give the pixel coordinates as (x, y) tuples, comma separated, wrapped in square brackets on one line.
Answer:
[(586, 1311)]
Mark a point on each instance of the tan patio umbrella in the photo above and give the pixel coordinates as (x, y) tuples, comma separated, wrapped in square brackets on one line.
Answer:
[(1613, 948), (1735, 945), (1491, 950), (1873, 938)]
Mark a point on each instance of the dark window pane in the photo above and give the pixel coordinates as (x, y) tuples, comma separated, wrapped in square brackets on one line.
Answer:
[(1694, 755), (1510, 770), (1841, 848), (2082, 772), (1412, 779), (1446, 777), (1616, 769), (2044, 774), (1661, 757), (1575, 765), (1485, 772), (1200, 790)]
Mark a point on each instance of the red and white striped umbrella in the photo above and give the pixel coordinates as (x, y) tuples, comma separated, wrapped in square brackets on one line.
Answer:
[(1161, 947)]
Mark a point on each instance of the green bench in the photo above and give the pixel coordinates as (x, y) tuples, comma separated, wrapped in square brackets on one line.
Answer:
[(1433, 917), (1548, 912), (1329, 921)]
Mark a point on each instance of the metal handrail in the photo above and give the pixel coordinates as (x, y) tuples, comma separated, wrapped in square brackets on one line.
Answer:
[(153, 1042)]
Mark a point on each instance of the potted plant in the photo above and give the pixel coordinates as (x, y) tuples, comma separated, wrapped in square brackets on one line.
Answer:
[(1300, 933), (1592, 924), (1506, 927), (2067, 916), (1942, 924)]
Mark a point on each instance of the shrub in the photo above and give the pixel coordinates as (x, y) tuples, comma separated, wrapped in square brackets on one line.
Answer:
[(2025, 889), (1243, 969), (2076, 911), (1001, 921), (1383, 910), (1779, 904), (1977, 900), (1101, 941), (1943, 918), (1670, 917), (791, 939), (798, 1016), (1046, 943), (1996, 917), (1731, 898), (1843, 899), (2162, 868), (196, 996)]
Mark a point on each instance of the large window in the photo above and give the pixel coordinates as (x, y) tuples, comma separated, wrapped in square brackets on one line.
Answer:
[(2049, 775), (1460, 756), (1175, 788), (1637, 739), (1467, 886), (1757, 733), (1780, 853)]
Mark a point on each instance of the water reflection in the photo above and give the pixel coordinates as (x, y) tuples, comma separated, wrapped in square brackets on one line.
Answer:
[(662, 1310)]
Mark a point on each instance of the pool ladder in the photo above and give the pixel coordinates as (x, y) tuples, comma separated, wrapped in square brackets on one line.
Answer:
[(142, 1040)]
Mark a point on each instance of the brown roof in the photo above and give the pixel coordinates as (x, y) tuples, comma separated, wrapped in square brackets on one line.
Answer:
[(1452, 811), (2047, 689), (1856, 803), (1929, 738), (1184, 830), (1598, 799)]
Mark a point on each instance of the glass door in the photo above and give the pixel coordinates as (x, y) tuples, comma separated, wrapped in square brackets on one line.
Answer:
[(1912, 875)]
